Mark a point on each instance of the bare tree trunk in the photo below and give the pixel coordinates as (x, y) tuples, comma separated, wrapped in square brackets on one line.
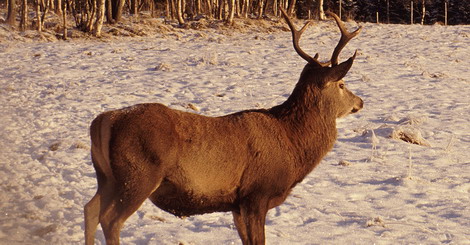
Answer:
[(99, 18), (231, 11), (38, 16), (46, 10), (91, 17), (118, 15), (109, 11), (173, 9), (58, 7), (64, 18), (134, 6), (50, 4), (220, 10), (168, 9), (248, 7), (261, 9), (340, 9), (209, 8), (11, 17), (275, 8), (115, 7), (321, 12), (291, 9), (179, 11), (24, 16), (244, 9), (445, 13), (189, 7), (423, 2), (388, 11), (152, 8), (198, 7)]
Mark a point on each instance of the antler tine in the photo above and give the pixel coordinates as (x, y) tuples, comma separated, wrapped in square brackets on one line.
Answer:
[(345, 37), (295, 39)]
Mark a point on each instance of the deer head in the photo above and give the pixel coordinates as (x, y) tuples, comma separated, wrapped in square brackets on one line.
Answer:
[(328, 76)]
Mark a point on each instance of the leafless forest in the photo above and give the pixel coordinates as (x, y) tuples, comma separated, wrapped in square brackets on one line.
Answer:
[(88, 16)]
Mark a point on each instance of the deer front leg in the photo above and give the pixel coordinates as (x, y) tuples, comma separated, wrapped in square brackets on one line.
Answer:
[(241, 226), (250, 222)]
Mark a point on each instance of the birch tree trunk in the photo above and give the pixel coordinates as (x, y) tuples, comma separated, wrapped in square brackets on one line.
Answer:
[(220, 10), (291, 9), (261, 8), (198, 7), (173, 8), (231, 11), (58, 7), (244, 8), (64, 18), (321, 12), (179, 10), (38, 16), (168, 9), (423, 3), (50, 4), (99, 18), (209, 8), (91, 17), (248, 7), (275, 8)]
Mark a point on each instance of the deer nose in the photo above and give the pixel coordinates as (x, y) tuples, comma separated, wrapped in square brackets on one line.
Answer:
[(358, 107)]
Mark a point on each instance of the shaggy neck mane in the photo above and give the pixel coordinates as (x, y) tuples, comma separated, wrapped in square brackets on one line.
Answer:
[(310, 122), (305, 106)]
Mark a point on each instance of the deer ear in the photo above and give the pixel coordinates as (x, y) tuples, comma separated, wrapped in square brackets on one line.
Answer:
[(337, 72)]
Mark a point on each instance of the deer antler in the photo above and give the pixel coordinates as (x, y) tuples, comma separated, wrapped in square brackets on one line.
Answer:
[(345, 38), (295, 39)]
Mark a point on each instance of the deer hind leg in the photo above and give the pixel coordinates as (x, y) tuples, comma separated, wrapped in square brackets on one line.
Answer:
[(94, 211), (251, 220), (124, 200), (93, 208), (92, 214)]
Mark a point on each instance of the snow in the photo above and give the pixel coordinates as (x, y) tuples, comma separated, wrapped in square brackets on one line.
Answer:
[(371, 189)]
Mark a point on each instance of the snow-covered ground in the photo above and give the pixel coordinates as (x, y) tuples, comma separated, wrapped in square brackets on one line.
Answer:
[(371, 189)]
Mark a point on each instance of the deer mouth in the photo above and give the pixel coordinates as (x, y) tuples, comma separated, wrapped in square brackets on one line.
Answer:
[(357, 108)]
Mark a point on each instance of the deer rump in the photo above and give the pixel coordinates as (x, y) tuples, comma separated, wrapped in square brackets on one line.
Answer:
[(198, 164)]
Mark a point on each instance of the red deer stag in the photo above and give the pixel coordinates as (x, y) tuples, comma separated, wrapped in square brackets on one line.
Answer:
[(246, 162)]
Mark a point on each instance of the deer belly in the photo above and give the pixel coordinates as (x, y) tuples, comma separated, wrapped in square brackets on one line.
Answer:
[(182, 200)]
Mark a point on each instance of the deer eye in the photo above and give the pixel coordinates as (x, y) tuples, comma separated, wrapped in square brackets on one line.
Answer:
[(341, 85)]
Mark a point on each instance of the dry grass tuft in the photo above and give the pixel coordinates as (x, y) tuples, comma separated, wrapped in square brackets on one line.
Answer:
[(45, 230), (410, 135), (377, 221), (344, 163), (163, 67), (54, 147), (80, 145)]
